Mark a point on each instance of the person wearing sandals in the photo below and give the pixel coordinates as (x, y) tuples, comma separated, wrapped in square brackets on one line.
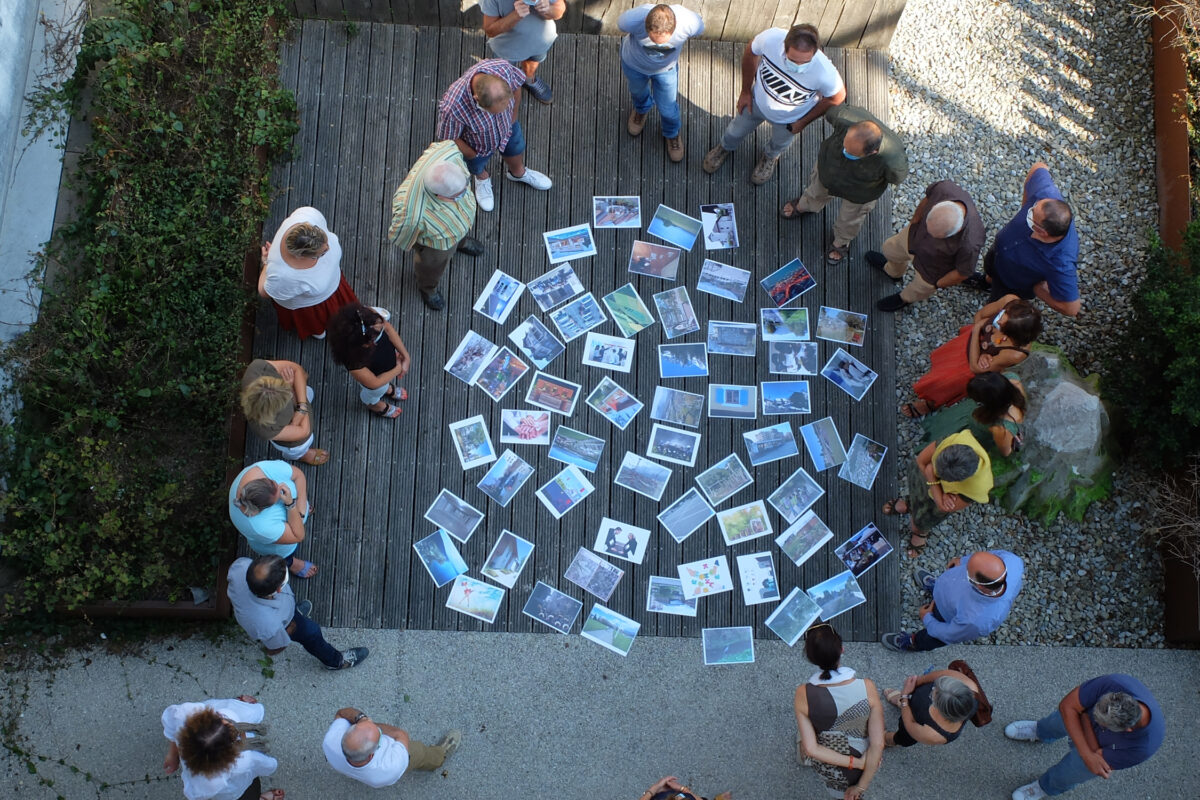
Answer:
[(1000, 406), (216, 746), (268, 504), (669, 788), (839, 719), (277, 403), (997, 339), (856, 162), (934, 708), (376, 754), (366, 344)]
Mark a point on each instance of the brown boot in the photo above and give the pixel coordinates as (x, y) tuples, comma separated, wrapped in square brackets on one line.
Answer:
[(714, 159), (637, 122), (675, 149), (763, 170)]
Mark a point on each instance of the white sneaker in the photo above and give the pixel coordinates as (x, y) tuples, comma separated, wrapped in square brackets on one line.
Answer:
[(383, 312), (1030, 791), (483, 194), (533, 178), (1023, 730)]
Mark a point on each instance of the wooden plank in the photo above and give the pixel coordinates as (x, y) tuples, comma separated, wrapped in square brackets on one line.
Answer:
[(328, 9), (852, 22), (424, 12), (304, 8), (608, 22), (743, 21), (452, 15), (877, 35)]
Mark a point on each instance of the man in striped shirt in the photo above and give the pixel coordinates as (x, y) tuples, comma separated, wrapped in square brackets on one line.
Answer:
[(431, 214), (479, 114)]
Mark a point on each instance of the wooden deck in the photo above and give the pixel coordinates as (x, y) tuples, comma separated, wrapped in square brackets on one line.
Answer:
[(367, 110)]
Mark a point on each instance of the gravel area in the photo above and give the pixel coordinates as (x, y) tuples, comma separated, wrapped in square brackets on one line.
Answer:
[(980, 91)]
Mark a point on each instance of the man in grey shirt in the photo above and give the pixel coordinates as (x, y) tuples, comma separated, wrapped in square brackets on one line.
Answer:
[(521, 32)]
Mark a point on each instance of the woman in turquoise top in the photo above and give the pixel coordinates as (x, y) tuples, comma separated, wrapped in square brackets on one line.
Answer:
[(268, 504), (1001, 408)]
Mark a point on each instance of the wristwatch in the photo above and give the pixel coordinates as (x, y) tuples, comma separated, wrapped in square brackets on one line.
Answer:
[(361, 716)]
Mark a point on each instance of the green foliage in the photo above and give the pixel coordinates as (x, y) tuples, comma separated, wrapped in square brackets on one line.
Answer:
[(1154, 376), (115, 463)]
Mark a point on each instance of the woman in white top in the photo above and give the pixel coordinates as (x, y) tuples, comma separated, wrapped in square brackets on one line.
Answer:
[(302, 273), (216, 745)]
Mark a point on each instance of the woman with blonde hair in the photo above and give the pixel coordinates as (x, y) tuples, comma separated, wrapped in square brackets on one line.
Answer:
[(218, 744), (277, 403)]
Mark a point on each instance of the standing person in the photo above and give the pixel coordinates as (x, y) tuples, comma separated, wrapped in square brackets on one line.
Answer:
[(266, 608), (654, 39), (479, 114), (669, 788), (942, 242), (214, 746), (302, 273), (786, 81), (268, 504), (521, 32), (377, 754), (856, 163), (368, 346), (432, 211), (839, 719), (277, 403), (934, 708), (1035, 254), (1114, 723), (971, 599), (1001, 407)]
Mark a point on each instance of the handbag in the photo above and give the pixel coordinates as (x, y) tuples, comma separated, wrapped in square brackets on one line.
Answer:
[(983, 714)]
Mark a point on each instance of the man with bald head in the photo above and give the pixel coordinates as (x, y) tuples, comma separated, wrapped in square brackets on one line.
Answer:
[(971, 599), (377, 754), (942, 242)]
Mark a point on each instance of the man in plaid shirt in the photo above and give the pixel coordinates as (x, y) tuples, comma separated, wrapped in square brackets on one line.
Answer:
[(479, 114)]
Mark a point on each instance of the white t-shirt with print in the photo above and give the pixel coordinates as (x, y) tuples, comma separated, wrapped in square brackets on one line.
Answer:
[(781, 95)]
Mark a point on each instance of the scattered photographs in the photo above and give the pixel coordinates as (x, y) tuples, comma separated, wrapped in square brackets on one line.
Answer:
[(674, 445), (863, 550), (475, 598), (552, 608), (578, 317), (728, 645), (732, 338), (507, 559), (757, 574), (608, 352), (518, 426), (745, 522), (471, 441), (793, 616), (677, 407), (566, 244), (537, 342), (705, 577), (675, 227), (576, 447), (440, 557), (785, 285), (849, 374), (723, 280), (593, 574), (655, 260), (804, 537), (499, 297), (472, 353), (557, 286), (771, 443), (723, 480), (643, 476), (565, 491), (784, 324), (610, 630), (665, 596), (685, 516), (617, 212), (676, 312), (838, 325), (454, 515), (729, 400), (628, 310), (837, 595), (792, 358), (553, 394), (682, 360), (505, 477), (621, 540), (500, 373), (823, 443), (614, 403), (720, 226), (785, 397), (863, 460), (795, 495)]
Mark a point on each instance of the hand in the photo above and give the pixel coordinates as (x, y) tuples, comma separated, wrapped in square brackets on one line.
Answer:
[(910, 682), (543, 7), (792, 129), (266, 250), (949, 502), (522, 8), (854, 792), (285, 494), (925, 609), (745, 102), (245, 698), (403, 362), (1096, 763), (171, 762), (288, 374), (984, 362), (954, 562)]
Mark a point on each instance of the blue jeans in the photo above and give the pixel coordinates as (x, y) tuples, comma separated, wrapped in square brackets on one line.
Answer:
[(1071, 771), (665, 87), (515, 146), (307, 634)]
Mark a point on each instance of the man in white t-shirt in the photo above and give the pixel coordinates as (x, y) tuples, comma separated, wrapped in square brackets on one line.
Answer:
[(377, 754), (786, 81)]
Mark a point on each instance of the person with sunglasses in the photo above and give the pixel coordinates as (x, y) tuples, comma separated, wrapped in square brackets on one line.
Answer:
[(669, 788)]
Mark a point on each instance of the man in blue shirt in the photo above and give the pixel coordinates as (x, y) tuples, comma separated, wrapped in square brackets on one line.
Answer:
[(1034, 255), (972, 598), (1114, 723)]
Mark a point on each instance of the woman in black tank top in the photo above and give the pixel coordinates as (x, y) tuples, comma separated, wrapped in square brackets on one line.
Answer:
[(933, 708)]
